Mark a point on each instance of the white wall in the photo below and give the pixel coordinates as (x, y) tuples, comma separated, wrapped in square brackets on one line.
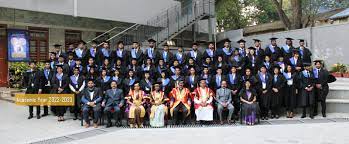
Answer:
[(134, 11)]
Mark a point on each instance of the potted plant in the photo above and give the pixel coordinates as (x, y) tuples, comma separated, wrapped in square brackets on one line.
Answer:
[(338, 69)]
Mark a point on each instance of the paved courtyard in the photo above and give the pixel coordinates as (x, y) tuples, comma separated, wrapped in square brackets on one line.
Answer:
[(15, 128)]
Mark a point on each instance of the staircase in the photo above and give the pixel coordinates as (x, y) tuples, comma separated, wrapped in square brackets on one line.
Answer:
[(165, 26)]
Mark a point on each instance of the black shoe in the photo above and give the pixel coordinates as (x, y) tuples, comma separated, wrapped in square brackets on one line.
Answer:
[(30, 117), (38, 116), (312, 117), (45, 114), (315, 113), (277, 116), (118, 124), (75, 118), (108, 125), (303, 116), (266, 118), (323, 114)]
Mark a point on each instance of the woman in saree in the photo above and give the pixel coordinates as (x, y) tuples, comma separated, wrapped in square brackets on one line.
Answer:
[(158, 109), (249, 105), (136, 99)]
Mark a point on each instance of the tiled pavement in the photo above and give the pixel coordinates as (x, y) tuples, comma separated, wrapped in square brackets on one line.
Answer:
[(15, 128)]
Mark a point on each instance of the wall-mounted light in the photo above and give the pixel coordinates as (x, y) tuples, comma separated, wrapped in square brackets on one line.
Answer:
[(171, 43)]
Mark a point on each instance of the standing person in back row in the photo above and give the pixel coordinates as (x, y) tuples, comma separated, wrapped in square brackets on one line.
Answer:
[(304, 52), (321, 86), (31, 82), (273, 50), (306, 84)]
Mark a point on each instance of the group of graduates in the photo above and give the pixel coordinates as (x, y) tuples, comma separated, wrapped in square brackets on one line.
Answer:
[(161, 85)]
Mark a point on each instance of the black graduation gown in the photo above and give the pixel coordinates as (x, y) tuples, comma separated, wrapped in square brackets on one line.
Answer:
[(251, 78), (227, 53), (276, 97), (240, 61), (158, 70), (174, 78), (305, 54), (306, 98), (247, 109), (155, 55), (84, 56), (146, 86), (287, 54), (274, 55), (223, 65), (31, 81), (214, 85), (213, 56), (168, 59), (104, 85), (191, 84), (260, 53), (291, 62), (46, 82), (139, 56), (152, 71), (138, 71), (64, 85), (102, 56), (264, 98), (122, 69), (208, 79), (77, 86), (127, 83), (322, 79), (253, 63), (165, 85), (66, 68), (234, 84), (199, 56), (125, 57), (94, 53), (289, 92)]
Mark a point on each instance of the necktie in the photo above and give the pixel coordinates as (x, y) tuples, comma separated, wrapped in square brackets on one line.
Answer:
[(308, 73)]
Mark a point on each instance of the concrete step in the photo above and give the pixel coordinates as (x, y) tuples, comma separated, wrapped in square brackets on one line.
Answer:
[(337, 105)]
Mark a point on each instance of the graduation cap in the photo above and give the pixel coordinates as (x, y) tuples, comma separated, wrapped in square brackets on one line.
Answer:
[(135, 42), (301, 40), (94, 42), (257, 40), (219, 67), (151, 40), (277, 66), (158, 82), (82, 42), (71, 53), (59, 65), (263, 66), (57, 45), (61, 56), (252, 48), (234, 65), (77, 59), (53, 53), (295, 51), (273, 38), (241, 41), (77, 67), (180, 80), (289, 38), (227, 40), (164, 71), (166, 45), (47, 61), (211, 42), (318, 61), (195, 43), (134, 59), (120, 42), (105, 42), (205, 67), (91, 79), (177, 67), (305, 64), (104, 68), (190, 67), (202, 79)]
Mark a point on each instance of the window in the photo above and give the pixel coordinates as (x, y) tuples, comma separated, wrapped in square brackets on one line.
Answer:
[(72, 37), (38, 43)]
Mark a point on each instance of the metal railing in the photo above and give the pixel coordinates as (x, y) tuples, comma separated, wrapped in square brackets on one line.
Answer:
[(166, 24)]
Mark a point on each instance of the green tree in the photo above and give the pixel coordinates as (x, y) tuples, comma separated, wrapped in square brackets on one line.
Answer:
[(229, 15)]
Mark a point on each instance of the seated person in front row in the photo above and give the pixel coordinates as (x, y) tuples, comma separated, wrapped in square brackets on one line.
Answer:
[(158, 109), (224, 100), (114, 100), (203, 102), (91, 99), (249, 105), (136, 100), (180, 102)]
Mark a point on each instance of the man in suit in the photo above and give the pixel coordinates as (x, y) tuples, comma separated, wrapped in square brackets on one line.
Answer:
[(223, 100), (321, 86), (137, 53), (114, 100), (151, 52), (77, 84), (46, 76), (31, 82), (91, 99)]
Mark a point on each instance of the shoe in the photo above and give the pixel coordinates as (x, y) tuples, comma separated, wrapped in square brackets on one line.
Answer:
[(38, 116), (323, 114), (221, 122), (30, 117), (312, 117), (303, 116), (44, 115), (141, 126), (108, 125), (95, 125), (87, 125), (117, 124), (266, 118), (277, 116), (131, 126)]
